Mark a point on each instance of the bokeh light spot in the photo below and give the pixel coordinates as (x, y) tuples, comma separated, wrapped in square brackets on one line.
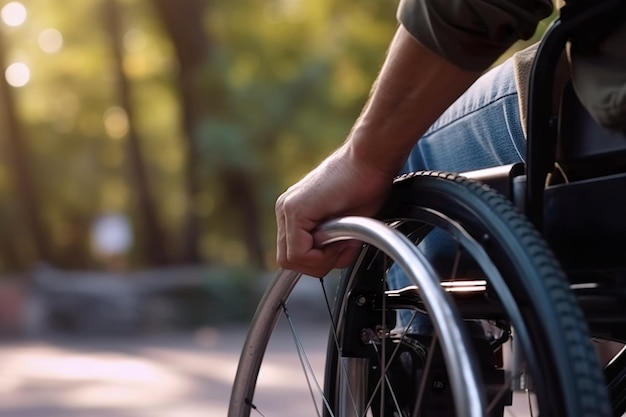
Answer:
[(135, 40), (17, 74), (50, 40), (14, 13), (116, 122)]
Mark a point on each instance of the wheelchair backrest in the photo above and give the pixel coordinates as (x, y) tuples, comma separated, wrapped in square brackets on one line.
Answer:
[(582, 214), (584, 148), (579, 21)]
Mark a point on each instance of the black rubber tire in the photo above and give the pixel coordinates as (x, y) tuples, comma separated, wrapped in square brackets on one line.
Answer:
[(566, 373)]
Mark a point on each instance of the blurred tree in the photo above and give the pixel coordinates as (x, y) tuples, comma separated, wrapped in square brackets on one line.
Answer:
[(23, 183), (201, 101), (183, 23), (153, 236), (233, 101)]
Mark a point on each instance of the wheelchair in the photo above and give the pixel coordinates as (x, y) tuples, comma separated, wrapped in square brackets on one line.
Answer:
[(515, 274)]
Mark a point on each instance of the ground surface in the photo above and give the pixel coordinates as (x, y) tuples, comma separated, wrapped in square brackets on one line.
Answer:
[(169, 375), (186, 375)]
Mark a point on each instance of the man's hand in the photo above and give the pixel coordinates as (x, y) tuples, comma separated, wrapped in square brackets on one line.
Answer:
[(339, 186)]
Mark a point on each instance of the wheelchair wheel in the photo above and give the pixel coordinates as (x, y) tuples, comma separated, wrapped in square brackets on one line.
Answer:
[(386, 355), (245, 396), (506, 284)]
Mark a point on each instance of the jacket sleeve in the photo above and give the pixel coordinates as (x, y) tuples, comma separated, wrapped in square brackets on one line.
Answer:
[(471, 34)]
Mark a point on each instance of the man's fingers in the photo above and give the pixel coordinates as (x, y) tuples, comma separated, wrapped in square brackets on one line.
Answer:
[(296, 248), (319, 262), (281, 237)]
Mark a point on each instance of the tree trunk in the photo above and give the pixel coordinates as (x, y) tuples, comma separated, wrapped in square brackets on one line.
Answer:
[(22, 176), (151, 232), (183, 22), (241, 195)]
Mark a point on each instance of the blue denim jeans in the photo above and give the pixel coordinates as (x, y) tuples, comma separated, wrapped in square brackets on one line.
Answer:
[(481, 129)]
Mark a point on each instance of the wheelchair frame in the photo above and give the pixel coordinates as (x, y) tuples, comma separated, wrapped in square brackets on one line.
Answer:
[(588, 210)]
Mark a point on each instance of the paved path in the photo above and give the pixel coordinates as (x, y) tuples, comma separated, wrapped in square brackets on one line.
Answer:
[(175, 376), (185, 375)]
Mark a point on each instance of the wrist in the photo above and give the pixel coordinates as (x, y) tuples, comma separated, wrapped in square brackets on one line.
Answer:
[(379, 148)]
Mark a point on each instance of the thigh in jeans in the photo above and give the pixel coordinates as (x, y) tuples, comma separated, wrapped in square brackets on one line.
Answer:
[(481, 129)]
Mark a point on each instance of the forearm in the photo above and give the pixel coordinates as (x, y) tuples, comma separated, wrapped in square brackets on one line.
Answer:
[(413, 88)]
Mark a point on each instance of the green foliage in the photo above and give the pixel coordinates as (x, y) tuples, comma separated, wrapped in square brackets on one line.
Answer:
[(288, 77), (286, 80)]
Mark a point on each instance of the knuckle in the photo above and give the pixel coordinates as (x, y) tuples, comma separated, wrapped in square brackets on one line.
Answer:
[(289, 204), (279, 203), (281, 259), (285, 262)]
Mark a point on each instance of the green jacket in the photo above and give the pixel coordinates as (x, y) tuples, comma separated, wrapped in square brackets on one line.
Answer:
[(472, 34)]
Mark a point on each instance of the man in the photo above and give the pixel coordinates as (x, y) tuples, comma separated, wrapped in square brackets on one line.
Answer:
[(439, 50)]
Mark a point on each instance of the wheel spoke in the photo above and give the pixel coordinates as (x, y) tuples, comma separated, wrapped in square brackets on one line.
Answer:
[(383, 347), (388, 384), (422, 384), (457, 258), (306, 366), (383, 362), (254, 407), (530, 403), (501, 392), (335, 337)]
